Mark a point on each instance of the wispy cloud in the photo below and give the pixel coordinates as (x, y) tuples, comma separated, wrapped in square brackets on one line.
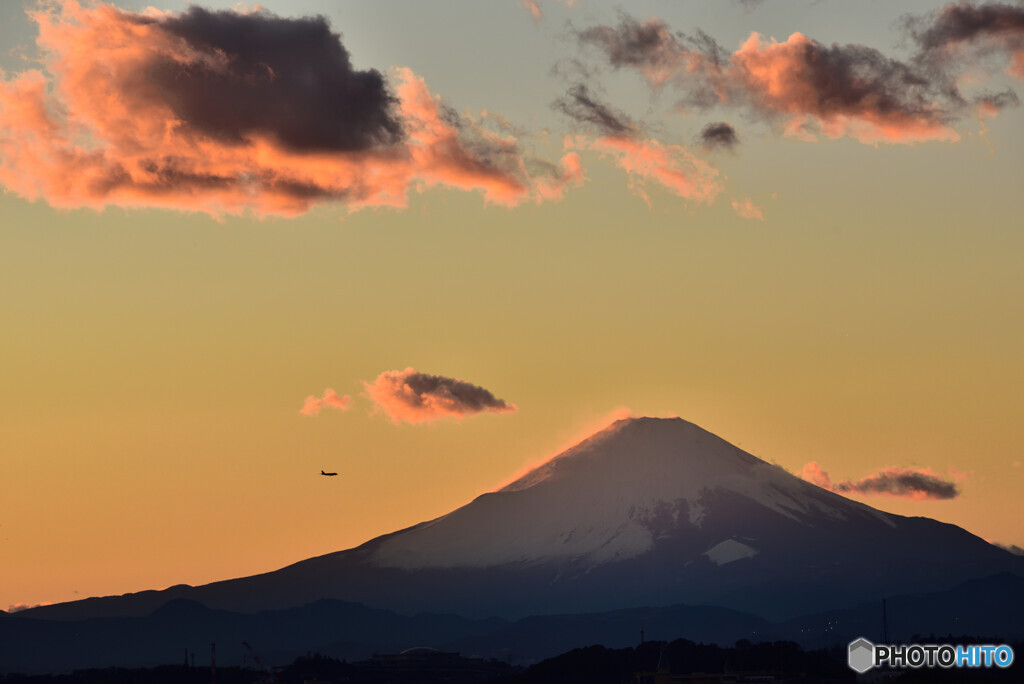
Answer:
[(909, 483), (330, 398), (533, 7), (812, 90), (652, 48), (413, 397), (18, 607), (236, 111), (1012, 548), (584, 107), (964, 35), (745, 208), (645, 160)]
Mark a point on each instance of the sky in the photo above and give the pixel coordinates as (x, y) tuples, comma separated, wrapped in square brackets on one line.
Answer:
[(427, 246)]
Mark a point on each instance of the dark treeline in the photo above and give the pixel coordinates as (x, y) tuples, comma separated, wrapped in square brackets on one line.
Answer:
[(648, 663), (652, 661)]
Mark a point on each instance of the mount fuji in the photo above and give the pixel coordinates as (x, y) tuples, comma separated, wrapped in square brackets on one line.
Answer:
[(648, 512)]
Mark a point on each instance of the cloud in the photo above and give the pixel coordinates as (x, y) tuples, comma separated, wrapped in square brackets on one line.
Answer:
[(815, 474), (718, 135), (584, 108), (413, 397), (248, 73), (313, 404), (18, 607), (963, 35), (651, 48), (809, 88), (960, 475), (910, 483), (746, 208), (229, 112), (533, 8), (1012, 548), (646, 161), (838, 90)]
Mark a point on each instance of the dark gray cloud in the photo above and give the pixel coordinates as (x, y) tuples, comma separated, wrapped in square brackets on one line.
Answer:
[(287, 78), (649, 46), (719, 135), (415, 397), (998, 101), (580, 105), (897, 482), (963, 36), (631, 43), (991, 26), (910, 483)]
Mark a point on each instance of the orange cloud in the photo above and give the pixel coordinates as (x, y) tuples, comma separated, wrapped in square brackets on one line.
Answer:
[(1017, 64), (413, 397), (645, 160), (810, 88), (533, 8), (313, 404), (839, 91), (815, 474), (182, 111), (747, 209)]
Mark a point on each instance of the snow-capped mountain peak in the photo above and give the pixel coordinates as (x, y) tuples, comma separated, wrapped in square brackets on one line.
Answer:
[(609, 498)]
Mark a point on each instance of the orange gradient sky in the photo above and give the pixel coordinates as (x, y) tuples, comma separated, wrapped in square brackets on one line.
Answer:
[(841, 284)]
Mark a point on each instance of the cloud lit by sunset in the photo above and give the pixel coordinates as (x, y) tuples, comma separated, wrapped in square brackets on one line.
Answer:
[(412, 397)]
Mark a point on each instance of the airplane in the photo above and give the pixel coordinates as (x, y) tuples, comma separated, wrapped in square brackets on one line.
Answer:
[(327, 474)]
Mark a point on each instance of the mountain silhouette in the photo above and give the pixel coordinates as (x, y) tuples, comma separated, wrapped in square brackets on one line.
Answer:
[(648, 512)]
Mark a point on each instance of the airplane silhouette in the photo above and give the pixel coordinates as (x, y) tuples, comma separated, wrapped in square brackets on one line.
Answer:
[(328, 474)]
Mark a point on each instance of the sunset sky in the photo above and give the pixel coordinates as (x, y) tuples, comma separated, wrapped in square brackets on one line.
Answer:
[(428, 245)]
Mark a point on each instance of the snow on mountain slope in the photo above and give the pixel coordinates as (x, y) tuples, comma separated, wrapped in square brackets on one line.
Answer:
[(608, 499), (729, 551)]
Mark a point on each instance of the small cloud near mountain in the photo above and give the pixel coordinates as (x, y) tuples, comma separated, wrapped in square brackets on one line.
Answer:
[(413, 397), (18, 607), (1012, 548), (909, 483)]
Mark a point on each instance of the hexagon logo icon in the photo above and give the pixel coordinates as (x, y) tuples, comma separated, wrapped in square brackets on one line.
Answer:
[(861, 657)]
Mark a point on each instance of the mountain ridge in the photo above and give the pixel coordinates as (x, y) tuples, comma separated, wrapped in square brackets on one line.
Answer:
[(646, 512)]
